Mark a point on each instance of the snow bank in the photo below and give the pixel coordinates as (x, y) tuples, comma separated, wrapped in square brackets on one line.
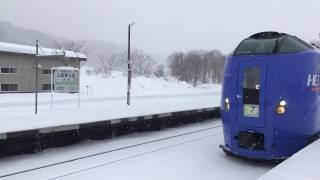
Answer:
[(301, 166)]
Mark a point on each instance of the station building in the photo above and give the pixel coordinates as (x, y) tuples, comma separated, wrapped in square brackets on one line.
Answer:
[(18, 66)]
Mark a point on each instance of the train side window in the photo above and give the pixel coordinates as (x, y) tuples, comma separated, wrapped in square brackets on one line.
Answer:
[(291, 45)]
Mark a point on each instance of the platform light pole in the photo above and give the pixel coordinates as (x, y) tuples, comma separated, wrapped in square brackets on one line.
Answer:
[(129, 64)]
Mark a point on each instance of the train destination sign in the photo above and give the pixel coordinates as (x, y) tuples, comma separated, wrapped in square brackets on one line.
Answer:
[(65, 81)]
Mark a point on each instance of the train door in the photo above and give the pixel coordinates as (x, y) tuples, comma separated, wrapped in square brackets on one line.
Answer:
[(251, 93)]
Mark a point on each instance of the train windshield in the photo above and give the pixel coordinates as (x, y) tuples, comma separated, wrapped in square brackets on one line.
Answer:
[(271, 45), (291, 45), (256, 46)]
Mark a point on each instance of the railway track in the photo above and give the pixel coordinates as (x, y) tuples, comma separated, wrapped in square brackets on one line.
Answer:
[(118, 149)]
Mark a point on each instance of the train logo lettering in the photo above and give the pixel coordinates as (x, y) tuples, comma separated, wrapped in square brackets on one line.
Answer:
[(313, 80)]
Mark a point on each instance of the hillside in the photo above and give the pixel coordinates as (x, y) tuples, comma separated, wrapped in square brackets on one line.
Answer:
[(14, 34)]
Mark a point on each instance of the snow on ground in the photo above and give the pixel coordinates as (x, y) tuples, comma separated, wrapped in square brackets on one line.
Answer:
[(105, 98), (195, 156), (302, 165)]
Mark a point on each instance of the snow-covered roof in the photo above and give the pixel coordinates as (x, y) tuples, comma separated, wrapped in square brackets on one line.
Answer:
[(66, 68), (23, 49)]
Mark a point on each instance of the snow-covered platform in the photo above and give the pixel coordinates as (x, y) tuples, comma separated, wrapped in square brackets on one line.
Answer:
[(93, 110), (155, 103), (104, 99), (301, 166), (43, 135)]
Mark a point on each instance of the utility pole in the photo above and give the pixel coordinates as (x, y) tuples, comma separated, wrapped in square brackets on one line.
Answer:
[(129, 64), (36, 84)]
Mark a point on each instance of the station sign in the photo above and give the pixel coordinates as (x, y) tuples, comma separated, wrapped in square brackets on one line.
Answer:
[(65, 81)]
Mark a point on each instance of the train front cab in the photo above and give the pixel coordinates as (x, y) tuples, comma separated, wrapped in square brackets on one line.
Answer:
[(249, 113), (247, 135)]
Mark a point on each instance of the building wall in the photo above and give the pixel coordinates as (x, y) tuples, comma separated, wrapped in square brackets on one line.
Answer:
[(25, 64)]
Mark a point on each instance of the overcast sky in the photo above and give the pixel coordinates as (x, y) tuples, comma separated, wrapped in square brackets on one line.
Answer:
[(164, 26)]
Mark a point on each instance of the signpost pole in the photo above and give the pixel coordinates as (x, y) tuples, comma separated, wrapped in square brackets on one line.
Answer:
[(129, 67), (78, 88), (36, 79), (51, 89)]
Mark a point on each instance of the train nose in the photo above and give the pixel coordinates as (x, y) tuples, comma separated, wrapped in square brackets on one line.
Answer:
[(250, 140)]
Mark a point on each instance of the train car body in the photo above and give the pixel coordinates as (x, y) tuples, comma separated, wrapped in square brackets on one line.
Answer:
[(271, 94)]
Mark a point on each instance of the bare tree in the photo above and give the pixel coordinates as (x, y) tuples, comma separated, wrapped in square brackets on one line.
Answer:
[(159, 71), (107, 64), (216, 66), (177, 65), (142, 63), (193, 61), (197, 66), (75, 46)]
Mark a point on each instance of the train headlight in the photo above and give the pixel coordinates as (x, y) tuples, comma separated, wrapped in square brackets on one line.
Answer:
[(226, 104), (282, 103), (281, 107)]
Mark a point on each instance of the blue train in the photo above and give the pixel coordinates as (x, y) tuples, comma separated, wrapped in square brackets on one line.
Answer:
[(271, 94)]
